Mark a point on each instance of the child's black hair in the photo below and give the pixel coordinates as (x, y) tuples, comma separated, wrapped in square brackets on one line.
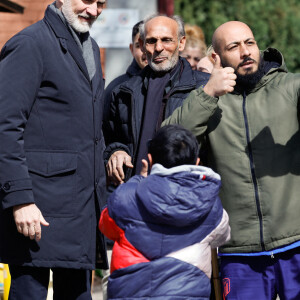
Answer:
[(173, 146)]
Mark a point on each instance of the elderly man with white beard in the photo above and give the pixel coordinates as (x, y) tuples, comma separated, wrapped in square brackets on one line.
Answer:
[(139, 105), (51, 166)]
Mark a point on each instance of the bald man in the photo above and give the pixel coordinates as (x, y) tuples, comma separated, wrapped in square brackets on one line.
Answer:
[(140, 104), (248, 112)]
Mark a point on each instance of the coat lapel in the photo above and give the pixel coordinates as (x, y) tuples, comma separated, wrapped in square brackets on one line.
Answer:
[(77, 56), (66, 40)]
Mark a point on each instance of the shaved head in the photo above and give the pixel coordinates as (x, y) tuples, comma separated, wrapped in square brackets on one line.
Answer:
[(226, 31), (235, 44)]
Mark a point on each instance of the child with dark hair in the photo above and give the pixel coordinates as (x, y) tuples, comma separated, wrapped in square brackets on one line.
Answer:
[(173, 146), (165, 224)]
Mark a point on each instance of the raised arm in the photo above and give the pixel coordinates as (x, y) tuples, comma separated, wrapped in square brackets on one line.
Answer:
[(201, 104)]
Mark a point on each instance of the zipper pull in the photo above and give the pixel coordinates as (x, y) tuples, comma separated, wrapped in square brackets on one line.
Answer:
[(272, 256)]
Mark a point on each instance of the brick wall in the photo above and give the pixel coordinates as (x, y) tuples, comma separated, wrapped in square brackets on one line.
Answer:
[(34, 10), (11, 23)]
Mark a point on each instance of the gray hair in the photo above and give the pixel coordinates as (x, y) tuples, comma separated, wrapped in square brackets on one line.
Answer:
[(177, 19)]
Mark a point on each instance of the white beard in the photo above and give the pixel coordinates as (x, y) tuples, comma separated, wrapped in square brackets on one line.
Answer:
[(167, 65), (74, 21)]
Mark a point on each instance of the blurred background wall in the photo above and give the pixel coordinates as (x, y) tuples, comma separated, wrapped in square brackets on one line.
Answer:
[(275, 23), (15, 15)]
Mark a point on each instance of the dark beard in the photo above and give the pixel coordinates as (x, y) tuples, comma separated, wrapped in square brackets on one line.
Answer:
[(249, 81)]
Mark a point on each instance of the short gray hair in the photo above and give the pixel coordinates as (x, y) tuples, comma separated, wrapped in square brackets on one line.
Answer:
[(177, 19)]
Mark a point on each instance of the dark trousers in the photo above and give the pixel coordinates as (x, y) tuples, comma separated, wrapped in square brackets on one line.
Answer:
[(31, 283)]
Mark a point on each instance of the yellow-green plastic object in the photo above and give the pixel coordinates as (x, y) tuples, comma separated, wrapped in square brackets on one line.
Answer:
[(7, 279)]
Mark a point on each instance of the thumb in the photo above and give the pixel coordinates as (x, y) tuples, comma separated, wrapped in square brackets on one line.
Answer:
[(128, 162), (144, 171), (43, 221), (217, 59)]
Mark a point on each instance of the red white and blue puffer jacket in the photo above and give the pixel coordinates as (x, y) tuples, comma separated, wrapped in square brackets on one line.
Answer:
[(164, 227)]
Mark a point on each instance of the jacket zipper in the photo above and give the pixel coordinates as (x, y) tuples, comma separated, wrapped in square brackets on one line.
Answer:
[(133, 124), (129, 171), (253, 174)]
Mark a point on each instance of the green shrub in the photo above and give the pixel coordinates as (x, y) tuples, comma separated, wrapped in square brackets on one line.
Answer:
[(275, 23)]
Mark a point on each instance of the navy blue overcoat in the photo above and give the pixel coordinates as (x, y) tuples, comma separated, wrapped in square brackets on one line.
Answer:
[(51, 146)]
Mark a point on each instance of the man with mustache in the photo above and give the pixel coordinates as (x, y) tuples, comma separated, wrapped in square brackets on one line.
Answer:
[(51, 165), (248, 112), (140, 105)]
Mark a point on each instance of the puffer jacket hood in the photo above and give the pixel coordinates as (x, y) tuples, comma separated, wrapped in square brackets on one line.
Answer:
[(164, 227), (168, 194)]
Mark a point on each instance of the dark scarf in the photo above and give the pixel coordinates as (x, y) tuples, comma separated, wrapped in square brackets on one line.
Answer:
[(159, 84)]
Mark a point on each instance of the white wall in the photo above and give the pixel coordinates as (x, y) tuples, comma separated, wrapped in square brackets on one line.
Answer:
[(116, 59)]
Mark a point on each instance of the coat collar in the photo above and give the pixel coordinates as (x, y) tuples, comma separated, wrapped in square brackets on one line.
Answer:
[(66, 39), (133, 69)]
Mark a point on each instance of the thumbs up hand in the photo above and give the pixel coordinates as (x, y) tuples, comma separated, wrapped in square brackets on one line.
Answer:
[(222, 80)]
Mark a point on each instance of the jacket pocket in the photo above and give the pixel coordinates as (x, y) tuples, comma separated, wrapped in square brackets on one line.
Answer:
[(51, 163), (53, 175)]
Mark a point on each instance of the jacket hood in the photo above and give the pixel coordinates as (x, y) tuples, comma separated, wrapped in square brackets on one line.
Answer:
[(273, 55), (180, 196), (274, 62)]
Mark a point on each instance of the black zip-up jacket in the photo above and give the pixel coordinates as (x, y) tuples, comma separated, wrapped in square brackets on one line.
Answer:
[(132, 70), (126, 107)]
